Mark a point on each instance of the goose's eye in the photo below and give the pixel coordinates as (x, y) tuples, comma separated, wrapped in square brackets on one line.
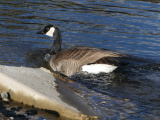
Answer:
[(47, 28)]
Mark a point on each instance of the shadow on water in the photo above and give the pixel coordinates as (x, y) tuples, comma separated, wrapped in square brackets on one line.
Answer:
[(36, 58)]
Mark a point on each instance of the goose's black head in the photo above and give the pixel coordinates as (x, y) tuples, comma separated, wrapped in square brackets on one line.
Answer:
[(49, 30), (53, 31)]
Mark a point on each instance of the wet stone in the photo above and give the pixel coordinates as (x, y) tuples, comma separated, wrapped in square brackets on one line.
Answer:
[(5, 96), (15, 109), (32, 112)]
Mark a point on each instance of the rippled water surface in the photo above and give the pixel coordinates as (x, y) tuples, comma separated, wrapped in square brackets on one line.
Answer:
[(131, 27)]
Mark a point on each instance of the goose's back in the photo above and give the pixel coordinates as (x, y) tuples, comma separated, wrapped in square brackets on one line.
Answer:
[(70, 61)]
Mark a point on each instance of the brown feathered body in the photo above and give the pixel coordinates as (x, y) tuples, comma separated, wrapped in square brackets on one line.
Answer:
[(70, 61)]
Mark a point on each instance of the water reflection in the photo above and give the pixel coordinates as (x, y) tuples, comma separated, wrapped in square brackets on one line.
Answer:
[(125, 26)]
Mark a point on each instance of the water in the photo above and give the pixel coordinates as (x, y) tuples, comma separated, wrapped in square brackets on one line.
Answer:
[(17, 111), (126, 26)]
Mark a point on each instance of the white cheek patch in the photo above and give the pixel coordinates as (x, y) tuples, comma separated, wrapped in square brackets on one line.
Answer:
[(97, 68), (50, 32)]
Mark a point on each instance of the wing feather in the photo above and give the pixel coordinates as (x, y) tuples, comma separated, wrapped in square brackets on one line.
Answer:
[(69, 61)]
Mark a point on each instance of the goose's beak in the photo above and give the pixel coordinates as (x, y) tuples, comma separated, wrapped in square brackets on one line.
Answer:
[(40, 32)]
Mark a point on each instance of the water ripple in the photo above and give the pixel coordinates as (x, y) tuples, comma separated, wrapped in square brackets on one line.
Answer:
[(128, 26)]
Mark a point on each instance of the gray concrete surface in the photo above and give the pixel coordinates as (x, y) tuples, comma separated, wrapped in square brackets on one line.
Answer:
[(37, 87)]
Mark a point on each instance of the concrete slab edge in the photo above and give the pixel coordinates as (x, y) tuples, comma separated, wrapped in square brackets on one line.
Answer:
[(23, 94)]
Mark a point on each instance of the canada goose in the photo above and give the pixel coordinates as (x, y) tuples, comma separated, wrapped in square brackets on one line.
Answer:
[(73, 60)]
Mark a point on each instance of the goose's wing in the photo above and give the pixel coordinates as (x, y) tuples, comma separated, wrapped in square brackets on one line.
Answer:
[(85, 55), (69, 61), (98, 56)]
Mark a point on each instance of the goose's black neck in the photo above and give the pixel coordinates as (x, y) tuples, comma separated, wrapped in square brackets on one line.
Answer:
[(56, 47)]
